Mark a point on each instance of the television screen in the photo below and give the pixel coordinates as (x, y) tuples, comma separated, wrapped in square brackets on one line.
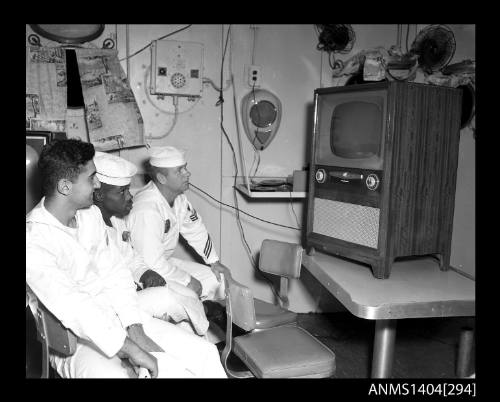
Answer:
[(356, 130), (350, 128)]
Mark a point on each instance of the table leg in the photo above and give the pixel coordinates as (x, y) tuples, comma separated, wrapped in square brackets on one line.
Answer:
[(383, 348), (464, 352)]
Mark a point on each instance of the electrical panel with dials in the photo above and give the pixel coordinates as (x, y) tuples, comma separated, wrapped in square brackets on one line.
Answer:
[(176, 68)]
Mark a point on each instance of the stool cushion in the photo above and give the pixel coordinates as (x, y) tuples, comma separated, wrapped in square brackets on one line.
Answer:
[(284, 352), (268, 315)]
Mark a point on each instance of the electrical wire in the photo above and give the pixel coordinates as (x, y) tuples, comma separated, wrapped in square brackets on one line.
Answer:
[(398, 38), (220, 103), (258, 114), (209, 81), (253, 46), (149, 44), (242, 211), (294, 214), (256, 156), (174, 121), (407, 34), (254, 264)]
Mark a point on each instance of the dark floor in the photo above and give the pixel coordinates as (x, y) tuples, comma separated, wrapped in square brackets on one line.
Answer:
[(425, 348)]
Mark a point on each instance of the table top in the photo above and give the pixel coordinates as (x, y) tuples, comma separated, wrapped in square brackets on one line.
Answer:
[(415, 289)]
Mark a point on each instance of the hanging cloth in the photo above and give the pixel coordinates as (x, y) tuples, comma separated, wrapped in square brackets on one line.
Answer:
[(46, 93), (114, 120)]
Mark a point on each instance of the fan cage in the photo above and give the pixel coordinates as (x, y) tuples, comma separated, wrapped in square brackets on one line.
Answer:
[(435, 46)]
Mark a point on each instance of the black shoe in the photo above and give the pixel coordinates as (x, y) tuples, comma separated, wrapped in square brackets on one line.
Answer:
[(216, 313)]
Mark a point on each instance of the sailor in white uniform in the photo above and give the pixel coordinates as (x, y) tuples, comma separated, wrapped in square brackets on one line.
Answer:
[(161, 212), (79, 275), (170, 301)]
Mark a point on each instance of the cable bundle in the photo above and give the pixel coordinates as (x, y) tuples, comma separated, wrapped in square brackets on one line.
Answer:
[(335, 38)]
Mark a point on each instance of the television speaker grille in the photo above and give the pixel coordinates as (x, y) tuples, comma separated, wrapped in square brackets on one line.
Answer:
[(344, 221)]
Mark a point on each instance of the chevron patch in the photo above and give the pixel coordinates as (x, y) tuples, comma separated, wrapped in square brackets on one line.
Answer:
[(194, 216), (208, 247)]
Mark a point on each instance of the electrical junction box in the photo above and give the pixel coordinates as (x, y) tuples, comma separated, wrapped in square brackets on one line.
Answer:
[(176, 68)]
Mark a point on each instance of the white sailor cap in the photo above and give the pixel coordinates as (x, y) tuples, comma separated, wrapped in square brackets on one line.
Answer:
[(166, 157), (112, 169)]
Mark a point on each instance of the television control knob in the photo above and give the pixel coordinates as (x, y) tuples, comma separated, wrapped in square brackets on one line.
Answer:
[(372, 181), (320, 175)]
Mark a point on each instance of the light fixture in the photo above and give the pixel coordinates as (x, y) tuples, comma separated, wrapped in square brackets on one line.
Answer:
[(69, 33)]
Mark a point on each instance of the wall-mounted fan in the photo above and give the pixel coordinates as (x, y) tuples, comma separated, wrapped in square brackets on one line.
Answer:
[(261, 116), (435, 46)]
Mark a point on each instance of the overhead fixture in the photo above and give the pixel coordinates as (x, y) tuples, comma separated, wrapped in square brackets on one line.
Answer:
[(69, 33)]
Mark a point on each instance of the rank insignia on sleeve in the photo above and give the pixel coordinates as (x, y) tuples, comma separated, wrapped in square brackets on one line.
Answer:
[(167, 225), (126, 236), (208, 247)]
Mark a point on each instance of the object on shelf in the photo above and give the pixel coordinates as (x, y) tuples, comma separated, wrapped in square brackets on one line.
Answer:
[(270, 185), (300, 180), (464, 67)]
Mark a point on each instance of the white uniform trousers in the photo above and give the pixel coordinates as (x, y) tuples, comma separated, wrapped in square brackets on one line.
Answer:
[(176, 303), (186, 356), (212, 289)]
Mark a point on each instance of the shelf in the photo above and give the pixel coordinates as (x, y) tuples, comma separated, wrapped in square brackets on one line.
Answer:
[(269, 194)]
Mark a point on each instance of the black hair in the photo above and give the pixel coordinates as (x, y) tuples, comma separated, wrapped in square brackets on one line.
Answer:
[(63, 159), (150, 171)]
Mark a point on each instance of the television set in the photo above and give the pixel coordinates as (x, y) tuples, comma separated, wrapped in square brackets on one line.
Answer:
[(350, 129), (35, 140), (383, 172)]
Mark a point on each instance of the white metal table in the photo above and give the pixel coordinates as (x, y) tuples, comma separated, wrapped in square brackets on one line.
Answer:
[(415, 289)]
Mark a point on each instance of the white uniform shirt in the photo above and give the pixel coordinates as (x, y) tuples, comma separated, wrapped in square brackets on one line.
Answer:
[(155, 227), (121, 236), (173, 299), (80, 277)]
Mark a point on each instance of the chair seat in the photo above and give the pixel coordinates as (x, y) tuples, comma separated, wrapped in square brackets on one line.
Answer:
[(285, 352), (268, 315)]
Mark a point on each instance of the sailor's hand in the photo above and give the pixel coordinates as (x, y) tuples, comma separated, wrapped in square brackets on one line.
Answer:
[(150, 279), (138, 357), (195, 285), (218, 268), (137, 334)]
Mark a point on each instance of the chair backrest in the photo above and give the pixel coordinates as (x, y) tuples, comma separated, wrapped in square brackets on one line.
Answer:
[(280, 258), (59, 338), (50, 332), (240, 311), (240, 305), (279, 352)]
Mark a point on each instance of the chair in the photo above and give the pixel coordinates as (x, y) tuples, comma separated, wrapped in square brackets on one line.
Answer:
[(286, 351), (50, 332), (284, 260)]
